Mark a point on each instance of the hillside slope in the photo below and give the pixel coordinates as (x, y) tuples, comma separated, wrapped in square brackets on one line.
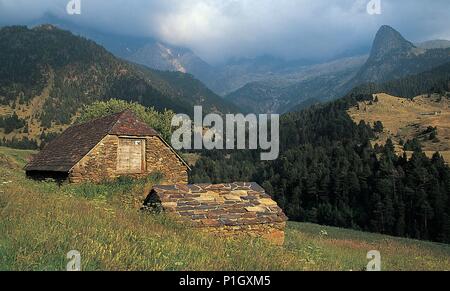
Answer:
[(328, 171), (47, 75), (145, 51), (102, 223), (436, 80), (415, 107), (407, 119), (281, 94)]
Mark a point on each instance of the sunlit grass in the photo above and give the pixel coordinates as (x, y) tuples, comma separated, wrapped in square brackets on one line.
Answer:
[(40, 222)]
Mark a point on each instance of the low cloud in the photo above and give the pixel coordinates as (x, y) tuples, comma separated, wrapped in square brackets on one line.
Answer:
[(220, 29)]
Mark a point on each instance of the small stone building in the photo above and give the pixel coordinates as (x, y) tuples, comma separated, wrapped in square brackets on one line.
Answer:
[(107, 148), (224, 209)]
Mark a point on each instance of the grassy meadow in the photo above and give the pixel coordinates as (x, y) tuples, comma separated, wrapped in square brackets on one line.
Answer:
[(405, 119), (40, 222)]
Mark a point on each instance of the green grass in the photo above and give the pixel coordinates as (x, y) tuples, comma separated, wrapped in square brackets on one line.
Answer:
[(40, 222), (331, 248)]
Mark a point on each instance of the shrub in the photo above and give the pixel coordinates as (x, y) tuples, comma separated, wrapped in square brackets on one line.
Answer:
[(11, 123), (160, 121), (378, 127), (412, 145)]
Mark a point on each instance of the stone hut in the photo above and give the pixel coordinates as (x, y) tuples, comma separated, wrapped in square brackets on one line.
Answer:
[(224, 209), (107, 148)]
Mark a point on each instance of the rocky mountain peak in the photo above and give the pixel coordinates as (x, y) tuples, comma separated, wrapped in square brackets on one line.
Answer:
[(388, 41)]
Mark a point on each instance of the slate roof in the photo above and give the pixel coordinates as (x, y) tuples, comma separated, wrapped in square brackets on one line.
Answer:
[(208, 205), (72, 145)]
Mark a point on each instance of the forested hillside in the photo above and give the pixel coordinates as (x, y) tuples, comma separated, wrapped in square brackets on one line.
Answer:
[(436, 80), (47, 75), (329, 173)]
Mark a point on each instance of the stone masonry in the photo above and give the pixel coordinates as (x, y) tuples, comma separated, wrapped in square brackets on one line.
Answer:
[(107, 148), (100, 164), (224, 209)]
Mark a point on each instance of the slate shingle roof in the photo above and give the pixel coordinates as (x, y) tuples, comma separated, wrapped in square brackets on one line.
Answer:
[(72, 145), (208, 205)]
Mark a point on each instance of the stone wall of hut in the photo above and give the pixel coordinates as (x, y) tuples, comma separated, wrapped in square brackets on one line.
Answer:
[(228, 210), (100, 164), (160, 157)]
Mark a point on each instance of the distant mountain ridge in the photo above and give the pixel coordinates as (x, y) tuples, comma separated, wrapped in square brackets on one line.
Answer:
[(392, 57), (434, 44), (145, 51), (269, 84), (315, 82), (222, 78)]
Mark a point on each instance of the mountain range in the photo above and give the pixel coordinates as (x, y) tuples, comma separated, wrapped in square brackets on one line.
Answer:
[(267, 84), (49, 74), (393, 57)]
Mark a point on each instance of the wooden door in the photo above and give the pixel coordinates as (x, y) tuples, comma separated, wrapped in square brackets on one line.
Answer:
[(131, 156)]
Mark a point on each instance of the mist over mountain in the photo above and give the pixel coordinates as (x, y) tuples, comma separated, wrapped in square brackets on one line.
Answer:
[(392, 57), (272, 84), (315, 82), (434, 44), (223, 78), (146, 51)]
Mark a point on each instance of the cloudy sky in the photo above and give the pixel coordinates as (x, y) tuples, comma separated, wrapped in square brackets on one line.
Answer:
[(220, 29)]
